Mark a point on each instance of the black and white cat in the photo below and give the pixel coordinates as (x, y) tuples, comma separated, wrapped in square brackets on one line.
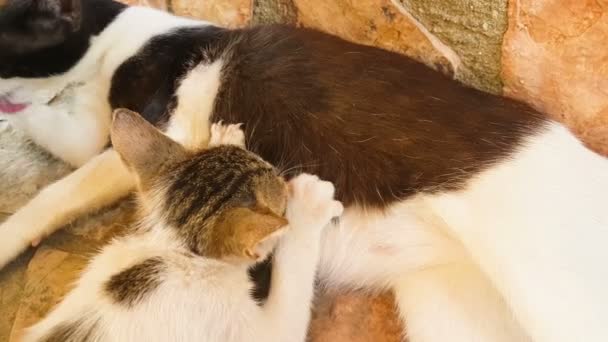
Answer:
[(487, 220)]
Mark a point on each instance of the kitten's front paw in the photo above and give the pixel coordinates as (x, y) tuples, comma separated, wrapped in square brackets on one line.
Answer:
[(312, 201), (226, 135)]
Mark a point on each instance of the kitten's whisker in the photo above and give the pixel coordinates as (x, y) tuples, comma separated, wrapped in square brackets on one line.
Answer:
[(283, 172)]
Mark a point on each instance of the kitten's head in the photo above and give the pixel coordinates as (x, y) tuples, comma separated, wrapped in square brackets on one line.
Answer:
[(224, 202)]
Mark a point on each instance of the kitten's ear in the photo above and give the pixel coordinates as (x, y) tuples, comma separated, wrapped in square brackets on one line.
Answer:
[(28, 25), (143, 148), (256, 231)]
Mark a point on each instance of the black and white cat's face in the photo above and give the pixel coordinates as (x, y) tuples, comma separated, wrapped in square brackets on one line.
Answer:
[(40, 42), (29, 26), (37, 40)]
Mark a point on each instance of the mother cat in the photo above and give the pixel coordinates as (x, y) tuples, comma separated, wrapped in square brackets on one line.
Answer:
[(487, 220)]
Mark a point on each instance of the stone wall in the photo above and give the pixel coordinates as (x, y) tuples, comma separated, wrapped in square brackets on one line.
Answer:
[(550, 53)]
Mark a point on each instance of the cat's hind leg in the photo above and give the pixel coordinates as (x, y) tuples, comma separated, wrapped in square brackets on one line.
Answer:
[(457, 303), (440, 294), (537, 225)]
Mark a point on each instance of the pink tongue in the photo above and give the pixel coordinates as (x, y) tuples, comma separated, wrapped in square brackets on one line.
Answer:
[(8, 107)]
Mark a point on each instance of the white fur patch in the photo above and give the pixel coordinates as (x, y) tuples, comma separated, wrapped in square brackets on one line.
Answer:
[(189, 124)]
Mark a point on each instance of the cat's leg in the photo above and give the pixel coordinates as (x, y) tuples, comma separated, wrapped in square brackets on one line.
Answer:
[(310, 207), (101, 181), (454, 303), (72, 137), (226, 135), (537, 225), (440, 294)]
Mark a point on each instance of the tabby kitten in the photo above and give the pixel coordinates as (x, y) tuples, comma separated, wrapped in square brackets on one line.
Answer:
[(182, 274)]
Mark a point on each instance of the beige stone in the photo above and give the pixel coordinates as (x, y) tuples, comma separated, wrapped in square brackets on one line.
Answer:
[(12, 283), (49, 276), (355, 317), (160, 4), (371, 22), (229, 13), (555, 57)]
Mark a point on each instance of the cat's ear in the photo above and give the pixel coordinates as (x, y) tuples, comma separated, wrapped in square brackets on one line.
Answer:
[(28, 25), (142, 147), (256, 231)]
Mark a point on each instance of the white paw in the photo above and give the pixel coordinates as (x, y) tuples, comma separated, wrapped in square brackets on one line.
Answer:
[(312, 201), (227, 135)]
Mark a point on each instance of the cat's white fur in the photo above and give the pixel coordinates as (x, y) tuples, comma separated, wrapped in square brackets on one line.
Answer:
[(201, 299), (517, 255)]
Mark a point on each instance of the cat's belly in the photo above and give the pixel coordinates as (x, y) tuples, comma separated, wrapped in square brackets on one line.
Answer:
[(370, 249)]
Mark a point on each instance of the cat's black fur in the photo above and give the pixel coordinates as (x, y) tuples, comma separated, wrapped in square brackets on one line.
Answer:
[(381, 126)]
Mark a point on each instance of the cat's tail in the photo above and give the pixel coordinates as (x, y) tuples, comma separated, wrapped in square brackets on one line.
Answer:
[(82, 329)]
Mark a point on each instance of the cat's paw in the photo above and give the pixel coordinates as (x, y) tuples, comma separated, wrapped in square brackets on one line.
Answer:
[(311, 202), (226, 135)]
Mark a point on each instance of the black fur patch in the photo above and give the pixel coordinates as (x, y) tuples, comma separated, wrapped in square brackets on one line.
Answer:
[(379, 125), (132, 285), (261, 275)]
